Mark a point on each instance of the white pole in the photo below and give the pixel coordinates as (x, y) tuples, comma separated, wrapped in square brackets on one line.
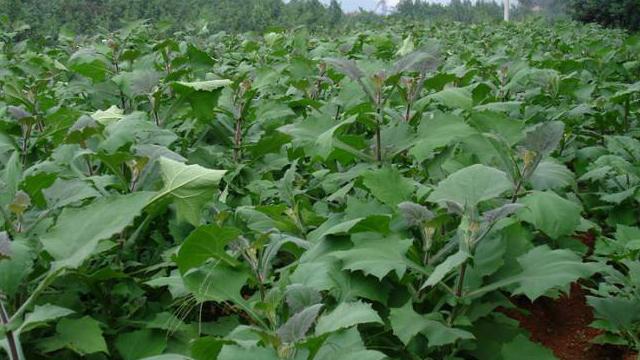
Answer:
[(506, 10)]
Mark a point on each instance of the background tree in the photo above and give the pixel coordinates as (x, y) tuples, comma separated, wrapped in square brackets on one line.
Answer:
[(611, 13)]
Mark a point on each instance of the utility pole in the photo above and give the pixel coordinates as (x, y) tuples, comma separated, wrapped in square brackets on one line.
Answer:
[(507, 8)]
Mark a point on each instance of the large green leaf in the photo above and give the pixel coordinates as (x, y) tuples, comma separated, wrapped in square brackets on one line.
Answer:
[(552, 214), (438, 130), (202, 95), (388, 185), (216, 282), (347, 315), (297, 326), (544, 270), (84, 336), (522, 348), (140, 344), (41, 315), (406, 323), (443, 269), (190, 187), (15, 268), (455, 98), (206, 242), (375, 254), (77, 232), (317, 134), (471, 186)]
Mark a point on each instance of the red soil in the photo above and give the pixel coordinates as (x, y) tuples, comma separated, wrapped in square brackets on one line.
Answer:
[(562, 325)]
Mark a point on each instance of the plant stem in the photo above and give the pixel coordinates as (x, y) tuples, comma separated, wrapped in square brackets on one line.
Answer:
[(25, 143), (460, 285), (379, 121), (48, 279), (4, 319), (459, 292), (237, 140)]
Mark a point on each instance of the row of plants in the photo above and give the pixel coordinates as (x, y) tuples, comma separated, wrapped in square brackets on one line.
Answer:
[(378, 194)]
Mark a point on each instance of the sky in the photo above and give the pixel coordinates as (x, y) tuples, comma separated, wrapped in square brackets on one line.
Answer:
[(354, 5)]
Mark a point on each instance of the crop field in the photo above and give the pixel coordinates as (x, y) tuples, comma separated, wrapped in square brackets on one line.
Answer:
[(402, 192)]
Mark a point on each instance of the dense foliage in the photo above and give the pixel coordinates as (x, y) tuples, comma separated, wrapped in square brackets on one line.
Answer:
[(379, 194), (614, 13), (89, 16)]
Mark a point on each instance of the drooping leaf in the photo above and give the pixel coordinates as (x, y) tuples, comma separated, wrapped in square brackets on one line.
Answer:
[(544, 269), (299, 297), (415, 214), (207, 242), (83, 336), (439, 334), (620, 312), (553, 215), (347, 315), (445, 268), (140, 344), (190, 187), (15, 269), (296, 328), (544, 138), (471, 185), (455, 98), (78, 231), (522, 348), (41, 315)]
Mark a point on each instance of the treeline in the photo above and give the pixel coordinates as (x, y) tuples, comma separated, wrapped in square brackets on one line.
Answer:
[(48, 17), (610, 13)]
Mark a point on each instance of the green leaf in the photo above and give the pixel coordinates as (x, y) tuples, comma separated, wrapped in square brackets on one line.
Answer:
[(388, 185), (190, 187), (299, 297), (140, 344), (522, 348), (316, 134), (406, 323), (77, 232), (445, 268), (206, 242), (440, 334), (551, 175), (621, 313), (15, 269), (201, 95), (471, 185), (297, 326), (216, 282), (544, 270), (235, 352), (347, 315), (455, 98), (41, 315), (84, 336), (439, 130), (88, 62), (66, 192), (548, 212), (544, 138), (208, 85), (375, 254)]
